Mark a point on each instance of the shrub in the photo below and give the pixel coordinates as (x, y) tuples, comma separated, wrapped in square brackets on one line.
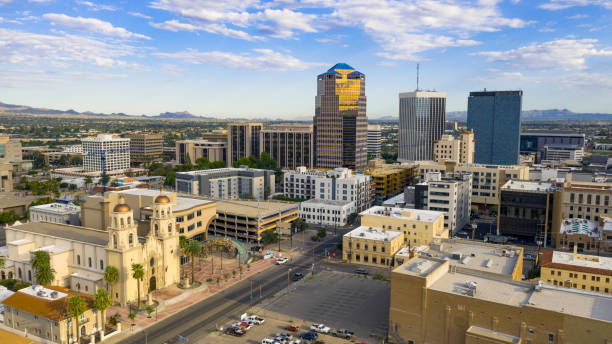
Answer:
[(314, 238), (209, 279)]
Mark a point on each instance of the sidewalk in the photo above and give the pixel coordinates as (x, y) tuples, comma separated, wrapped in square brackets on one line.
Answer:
[(173, 299)]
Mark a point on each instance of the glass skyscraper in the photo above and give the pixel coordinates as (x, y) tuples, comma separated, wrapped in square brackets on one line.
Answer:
[(495, 117), (421, 122), (340, 122)]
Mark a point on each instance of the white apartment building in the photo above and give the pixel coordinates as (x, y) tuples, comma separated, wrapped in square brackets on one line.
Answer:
[(68, 214), (374, 140), (106, 151), (326, 212), (451, 194), (339, 184), (457, 149), (227, 183), (73, 149), (563, 152)]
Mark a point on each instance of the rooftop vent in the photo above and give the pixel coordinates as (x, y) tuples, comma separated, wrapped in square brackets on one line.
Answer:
[(54, 294)]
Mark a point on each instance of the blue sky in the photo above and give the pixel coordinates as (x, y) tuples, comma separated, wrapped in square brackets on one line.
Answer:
[(254, 58)]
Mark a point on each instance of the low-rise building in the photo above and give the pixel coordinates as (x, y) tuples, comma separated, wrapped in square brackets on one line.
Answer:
[(16, 203), (419, 227), (248, 220), (588, 236), (11, 153), (227, 183), (390, 180), (371, 246), (433, 301), (188, 151), (193, 215), (339, 184), (326, 212), (578, 271), (43, 312), (69, 214), (6, 178), (526, 210), (451, 194), (563, 152)]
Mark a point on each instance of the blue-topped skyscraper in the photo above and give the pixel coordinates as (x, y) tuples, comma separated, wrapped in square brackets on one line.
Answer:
[(340, 124), (495, 117)]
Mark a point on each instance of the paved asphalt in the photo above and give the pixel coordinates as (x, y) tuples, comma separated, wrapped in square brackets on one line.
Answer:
[(196, 321)]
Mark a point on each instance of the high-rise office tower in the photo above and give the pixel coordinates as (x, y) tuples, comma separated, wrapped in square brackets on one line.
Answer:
[(242, 140), (421, 122), (495, 118), (374, 140), (340, 121), (289, 144), (106, 152)]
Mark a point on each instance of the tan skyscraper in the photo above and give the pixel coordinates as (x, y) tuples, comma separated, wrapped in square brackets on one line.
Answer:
[(242, 140), (340, 121)]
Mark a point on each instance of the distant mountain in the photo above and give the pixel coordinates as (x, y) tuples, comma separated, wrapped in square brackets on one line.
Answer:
[(180, 114), (543, 115)]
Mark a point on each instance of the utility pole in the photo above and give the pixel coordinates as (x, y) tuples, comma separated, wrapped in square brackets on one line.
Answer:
[(288, 281), (260, 290), (251, 298), (278, 235)]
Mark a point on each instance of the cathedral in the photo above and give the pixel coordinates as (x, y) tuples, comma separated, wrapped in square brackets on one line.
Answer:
[(80, 255)]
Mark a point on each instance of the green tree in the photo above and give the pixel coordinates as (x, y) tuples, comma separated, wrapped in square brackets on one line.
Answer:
[(193, 250), (132, 316), (43, 272), (217, 164), (111, 275), (203, 163), (76, 306), (269, 237), (2, 261), (102, 301), (138, 275)]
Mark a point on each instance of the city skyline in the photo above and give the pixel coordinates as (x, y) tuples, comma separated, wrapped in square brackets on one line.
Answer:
[(174, 55)]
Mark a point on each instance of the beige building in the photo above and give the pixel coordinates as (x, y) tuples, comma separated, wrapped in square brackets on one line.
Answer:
[(432, 302), (371, 246), (291, 145), (459, 149), (580, 200), (594, 237), (193, 216), (42, 312), (487, 179), (218, 135), (419, 227), (6, 177), (10, 153), (247, 220), (146, 148), (80, 255), (242, 140), (188, 151), (578, 271)]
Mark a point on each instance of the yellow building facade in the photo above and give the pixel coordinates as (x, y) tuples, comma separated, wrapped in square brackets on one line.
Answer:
[(578, 271), (371, 246), (419, 227), (390, 180)]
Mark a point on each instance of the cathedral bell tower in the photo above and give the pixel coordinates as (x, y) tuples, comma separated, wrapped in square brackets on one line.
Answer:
[(163, 221), (122, 231)]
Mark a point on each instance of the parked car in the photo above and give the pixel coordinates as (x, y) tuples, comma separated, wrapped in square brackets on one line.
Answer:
[(280, 261), (321, 328), (235, 331), (268, 341), (254, 319), (309, 335), (297, 276), (529, 256), (343, 333), (292, 328), (361, 271)]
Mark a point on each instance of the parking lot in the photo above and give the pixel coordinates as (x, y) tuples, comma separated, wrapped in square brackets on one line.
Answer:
[(336, 299)]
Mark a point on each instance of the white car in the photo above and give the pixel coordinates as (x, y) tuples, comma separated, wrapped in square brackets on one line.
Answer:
[(280, 261), (254, 319), (268, 341), (321, 328)]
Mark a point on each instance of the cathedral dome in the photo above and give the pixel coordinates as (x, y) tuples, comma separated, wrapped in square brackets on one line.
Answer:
[(121, 208), (162, 199)]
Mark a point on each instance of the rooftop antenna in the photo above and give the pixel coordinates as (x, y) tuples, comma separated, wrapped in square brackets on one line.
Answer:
[(417, 77)]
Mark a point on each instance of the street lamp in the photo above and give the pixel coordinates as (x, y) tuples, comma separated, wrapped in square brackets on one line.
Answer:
[(288, 281)]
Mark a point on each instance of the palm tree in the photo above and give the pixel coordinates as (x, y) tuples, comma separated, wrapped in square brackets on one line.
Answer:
[(193, 249), (2, 261), (102, 301), (138, 275), (76, 306), (43, 272), (182, 245), (111, 275)]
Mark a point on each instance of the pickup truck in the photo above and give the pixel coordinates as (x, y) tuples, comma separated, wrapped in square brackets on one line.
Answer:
[(320, 328), (343, 333)]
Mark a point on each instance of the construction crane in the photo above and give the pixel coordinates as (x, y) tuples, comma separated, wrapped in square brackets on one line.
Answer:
[(102, 154)]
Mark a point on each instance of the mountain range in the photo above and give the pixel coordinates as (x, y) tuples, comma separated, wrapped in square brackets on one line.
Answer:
[(528, 115)]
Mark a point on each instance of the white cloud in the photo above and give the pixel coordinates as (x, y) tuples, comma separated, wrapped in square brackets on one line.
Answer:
[(175, 25), (555, 5), (598, 81), (260, 60), (96, 7), (285, 22), (578, 16), (567, 54), (91, 25), (24, 48), (140, 15), (17, 78)]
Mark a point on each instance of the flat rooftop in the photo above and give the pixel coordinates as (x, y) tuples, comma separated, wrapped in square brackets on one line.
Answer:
[(531, 186), (326, 202), (500, 259), (572, 301), (580, 226), (582, 260), (53, 249), (68, 232), (404, 213), (57, 208), (418, 266), (254, 208), (182, 203), (372, 233)]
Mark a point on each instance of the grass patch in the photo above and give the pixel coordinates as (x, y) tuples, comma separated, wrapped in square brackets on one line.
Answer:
[(380, 278)]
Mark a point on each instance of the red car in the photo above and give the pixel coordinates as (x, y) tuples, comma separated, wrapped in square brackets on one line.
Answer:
[(292, 328)]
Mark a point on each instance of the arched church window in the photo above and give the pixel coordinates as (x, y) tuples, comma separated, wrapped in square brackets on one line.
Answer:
[(121, 222), (115, 241), (19, 273), (131, 239), (169, 228), (152, 261), (156, 229), (78, 259), (115, 222), (89, 261), (129, 220)]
